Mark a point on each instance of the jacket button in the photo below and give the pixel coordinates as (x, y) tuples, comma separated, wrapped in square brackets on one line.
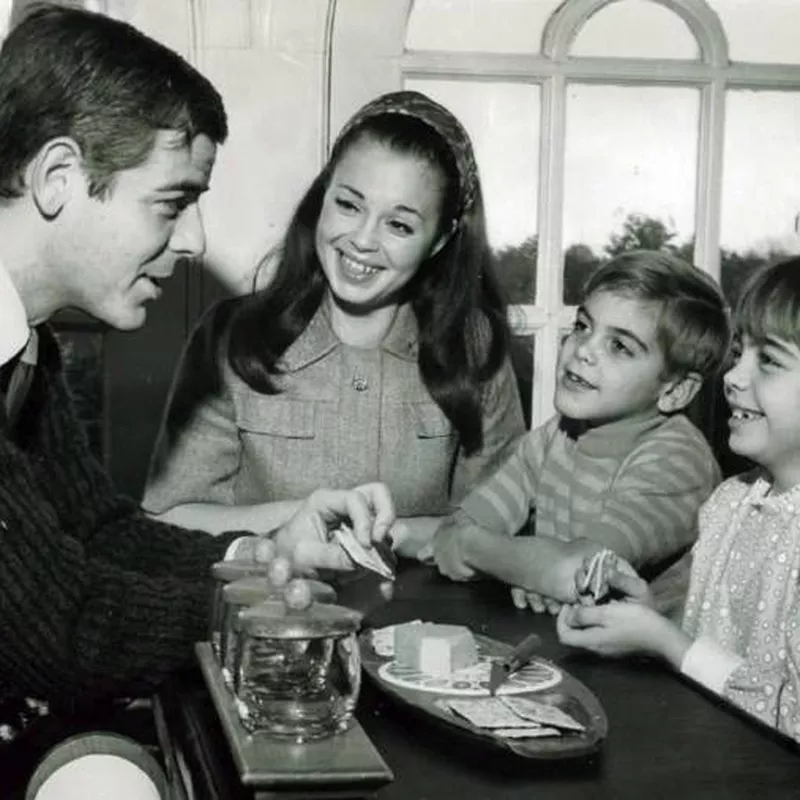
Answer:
[(359, 383)]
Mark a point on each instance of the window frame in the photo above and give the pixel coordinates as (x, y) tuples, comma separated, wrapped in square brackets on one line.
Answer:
[(553, 69)]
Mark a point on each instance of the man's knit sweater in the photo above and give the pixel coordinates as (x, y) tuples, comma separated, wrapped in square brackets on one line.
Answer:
[(96, 600)]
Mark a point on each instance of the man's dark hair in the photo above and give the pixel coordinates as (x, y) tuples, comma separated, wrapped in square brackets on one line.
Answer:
[(69, 72)]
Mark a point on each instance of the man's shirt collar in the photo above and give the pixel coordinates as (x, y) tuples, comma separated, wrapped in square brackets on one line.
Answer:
[(14, 328)]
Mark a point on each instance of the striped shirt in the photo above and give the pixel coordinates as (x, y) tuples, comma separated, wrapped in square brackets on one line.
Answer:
[(634, 485)]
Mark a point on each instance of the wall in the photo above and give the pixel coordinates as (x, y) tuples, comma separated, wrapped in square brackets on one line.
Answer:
[(267, 59)]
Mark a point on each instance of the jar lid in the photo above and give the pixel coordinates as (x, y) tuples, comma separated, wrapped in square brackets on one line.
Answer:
[(256, 588), (275, 620), (226, 571), (247, 591)]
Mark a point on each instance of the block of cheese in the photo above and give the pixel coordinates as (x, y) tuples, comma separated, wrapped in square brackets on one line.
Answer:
[(436, 650)]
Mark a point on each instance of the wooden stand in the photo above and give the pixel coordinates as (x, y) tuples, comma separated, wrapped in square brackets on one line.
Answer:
[(342, 766)]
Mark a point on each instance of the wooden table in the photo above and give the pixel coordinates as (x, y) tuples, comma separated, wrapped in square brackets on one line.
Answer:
[(666, 737)]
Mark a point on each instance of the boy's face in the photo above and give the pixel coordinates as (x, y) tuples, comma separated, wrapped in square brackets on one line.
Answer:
[(611, 365), (763, 391), (111, 251)]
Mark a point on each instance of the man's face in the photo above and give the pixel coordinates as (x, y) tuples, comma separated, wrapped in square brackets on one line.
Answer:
[(112, 250)]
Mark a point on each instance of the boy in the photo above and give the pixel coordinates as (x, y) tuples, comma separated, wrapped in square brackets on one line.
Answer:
[(620, 466)]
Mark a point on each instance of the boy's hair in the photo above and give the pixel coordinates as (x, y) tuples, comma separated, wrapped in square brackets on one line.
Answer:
[(693, 327), (68, 72), (769, 305)]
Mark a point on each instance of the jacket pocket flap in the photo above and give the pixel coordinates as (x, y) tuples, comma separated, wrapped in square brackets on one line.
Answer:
[(429, 420), (289, 419)]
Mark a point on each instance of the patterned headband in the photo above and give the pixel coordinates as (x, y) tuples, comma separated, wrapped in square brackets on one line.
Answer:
[(421, 107)]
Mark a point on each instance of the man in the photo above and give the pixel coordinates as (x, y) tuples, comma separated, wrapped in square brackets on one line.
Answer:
[(107, 141)]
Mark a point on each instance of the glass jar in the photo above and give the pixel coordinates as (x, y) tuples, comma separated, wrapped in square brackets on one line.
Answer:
[(223, 573), (297, 673), (246, 592)]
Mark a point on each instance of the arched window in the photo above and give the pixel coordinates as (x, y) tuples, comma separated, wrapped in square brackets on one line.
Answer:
[(602, 125)]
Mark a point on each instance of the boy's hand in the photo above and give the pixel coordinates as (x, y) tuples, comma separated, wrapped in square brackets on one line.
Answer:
[(566, 559), (613, 574), (448, 552), (538, 603)]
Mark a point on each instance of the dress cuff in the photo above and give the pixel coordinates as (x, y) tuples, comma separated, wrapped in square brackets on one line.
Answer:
[(709, 663)]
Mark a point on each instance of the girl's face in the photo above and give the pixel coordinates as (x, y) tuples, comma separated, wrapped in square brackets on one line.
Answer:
[(763, 391), (379, 221)]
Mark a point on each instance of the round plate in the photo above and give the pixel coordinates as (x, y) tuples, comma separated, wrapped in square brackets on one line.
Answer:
[(473, 681), (555, 686)]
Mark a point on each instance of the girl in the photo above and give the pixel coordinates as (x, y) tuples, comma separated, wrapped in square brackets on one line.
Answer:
[(740, 632), (379, 347)]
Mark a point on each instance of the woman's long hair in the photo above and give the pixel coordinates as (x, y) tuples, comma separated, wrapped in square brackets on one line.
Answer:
[(456, 299)]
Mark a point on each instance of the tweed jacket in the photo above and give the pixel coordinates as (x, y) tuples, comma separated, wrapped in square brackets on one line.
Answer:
[(344, 416)]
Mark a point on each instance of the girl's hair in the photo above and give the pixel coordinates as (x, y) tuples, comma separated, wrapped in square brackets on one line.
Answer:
[(769, 305), (460, 313)]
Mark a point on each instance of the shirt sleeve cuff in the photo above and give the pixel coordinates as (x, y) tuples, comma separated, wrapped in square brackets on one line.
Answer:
[(233, 547), (709, 663)]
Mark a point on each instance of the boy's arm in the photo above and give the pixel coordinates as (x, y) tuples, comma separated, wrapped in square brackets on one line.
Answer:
[(651, 510), (499, 507), (503, 502)]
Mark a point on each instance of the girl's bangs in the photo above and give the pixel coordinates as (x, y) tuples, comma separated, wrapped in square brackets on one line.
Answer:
[(770, 306)]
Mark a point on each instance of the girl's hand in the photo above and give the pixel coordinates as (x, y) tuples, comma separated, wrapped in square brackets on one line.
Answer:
[(621, 629)]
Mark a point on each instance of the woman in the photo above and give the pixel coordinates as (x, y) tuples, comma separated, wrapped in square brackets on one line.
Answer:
[(379, 347)]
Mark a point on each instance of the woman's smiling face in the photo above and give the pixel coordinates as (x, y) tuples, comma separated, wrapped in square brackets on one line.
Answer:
[(380, 220)]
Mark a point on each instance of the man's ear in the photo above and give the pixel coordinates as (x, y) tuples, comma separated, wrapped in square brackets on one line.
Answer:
[(52, 173), (677, 394)]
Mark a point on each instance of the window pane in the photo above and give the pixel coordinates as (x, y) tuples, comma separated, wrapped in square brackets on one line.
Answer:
[(765, 31), (489, 26), (503, 121), (629, 183), (636, 29), (522, 360), (761, 182)]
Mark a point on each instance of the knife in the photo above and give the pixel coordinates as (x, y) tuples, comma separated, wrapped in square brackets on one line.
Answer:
[(517, 658)]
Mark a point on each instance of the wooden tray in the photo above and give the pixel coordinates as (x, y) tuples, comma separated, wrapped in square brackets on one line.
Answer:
[(557, 687), (345, 765)]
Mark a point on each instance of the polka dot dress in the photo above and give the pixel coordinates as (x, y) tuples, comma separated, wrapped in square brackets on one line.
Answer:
[(744, 594)]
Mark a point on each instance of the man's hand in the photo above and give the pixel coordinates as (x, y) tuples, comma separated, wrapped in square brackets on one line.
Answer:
[(305, 538), (448, 552)]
